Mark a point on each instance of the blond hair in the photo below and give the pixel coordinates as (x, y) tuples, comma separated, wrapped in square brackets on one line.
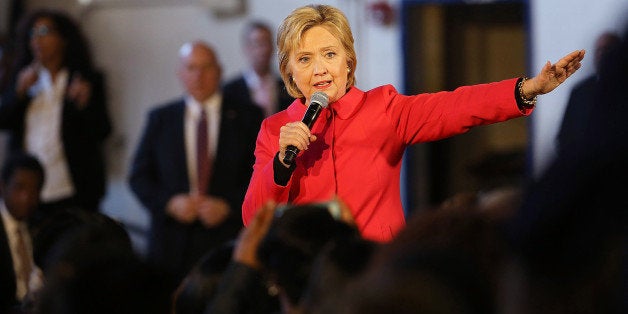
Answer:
[(301, 20)]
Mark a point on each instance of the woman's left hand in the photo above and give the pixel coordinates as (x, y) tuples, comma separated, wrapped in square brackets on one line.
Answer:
[(80, 91), (552, 75)]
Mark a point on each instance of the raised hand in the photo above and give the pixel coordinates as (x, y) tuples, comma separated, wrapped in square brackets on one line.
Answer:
[(79, 91), (250, 238), (26, 78), (552, 75)]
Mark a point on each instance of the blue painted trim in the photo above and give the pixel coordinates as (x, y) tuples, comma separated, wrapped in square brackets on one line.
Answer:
[(527, 20)]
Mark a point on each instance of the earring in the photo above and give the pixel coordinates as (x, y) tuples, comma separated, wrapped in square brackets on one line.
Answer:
[(348, 69)]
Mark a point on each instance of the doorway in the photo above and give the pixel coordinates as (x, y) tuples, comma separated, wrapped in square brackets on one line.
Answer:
[(447, 45)]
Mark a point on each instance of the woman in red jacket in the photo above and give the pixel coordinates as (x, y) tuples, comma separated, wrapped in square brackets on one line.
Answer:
[(354, 149)]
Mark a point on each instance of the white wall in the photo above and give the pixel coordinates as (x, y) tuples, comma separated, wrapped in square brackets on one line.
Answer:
[(136, 46), (557, 28)]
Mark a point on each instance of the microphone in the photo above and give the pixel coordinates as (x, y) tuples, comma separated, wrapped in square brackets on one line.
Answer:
[(318, 101)]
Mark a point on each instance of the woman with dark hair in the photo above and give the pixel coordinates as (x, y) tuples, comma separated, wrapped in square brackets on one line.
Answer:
[(55, 109)]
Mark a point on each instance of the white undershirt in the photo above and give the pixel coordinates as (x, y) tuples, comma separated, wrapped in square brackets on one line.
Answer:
[(42, 136), (263, 90), (192, 116)]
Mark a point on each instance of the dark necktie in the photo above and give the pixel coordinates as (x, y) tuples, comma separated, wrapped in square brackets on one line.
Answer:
[(202, 154)]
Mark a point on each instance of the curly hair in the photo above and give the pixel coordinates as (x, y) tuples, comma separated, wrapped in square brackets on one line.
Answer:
[(77, 54)]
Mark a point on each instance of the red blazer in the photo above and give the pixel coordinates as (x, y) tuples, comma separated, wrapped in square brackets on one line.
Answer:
[(360, 142)]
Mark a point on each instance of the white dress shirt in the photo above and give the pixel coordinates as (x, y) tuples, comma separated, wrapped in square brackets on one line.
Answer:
[(192, 116), (263, 90), (43, 134), (11, 225)]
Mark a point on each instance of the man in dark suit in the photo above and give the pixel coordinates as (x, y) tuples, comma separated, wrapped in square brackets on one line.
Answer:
[(582, 100), (20, 184), (258, 83), (193, 164), (570, 230)]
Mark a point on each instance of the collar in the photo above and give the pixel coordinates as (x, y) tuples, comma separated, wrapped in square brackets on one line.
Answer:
[(349, 104), (46, 82), (211, 104), (253, 80)]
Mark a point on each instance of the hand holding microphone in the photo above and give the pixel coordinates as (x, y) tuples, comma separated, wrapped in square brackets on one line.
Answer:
[(293, 132)]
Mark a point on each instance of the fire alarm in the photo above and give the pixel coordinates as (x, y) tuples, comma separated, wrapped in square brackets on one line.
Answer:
[(381, 13)]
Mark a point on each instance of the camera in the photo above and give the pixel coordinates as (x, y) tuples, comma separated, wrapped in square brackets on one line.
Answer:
[(332, 207)]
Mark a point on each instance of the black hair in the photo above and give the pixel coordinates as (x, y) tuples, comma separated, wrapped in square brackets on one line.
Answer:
[(201, 283), (21, 160), (77, 54), (253, 25), (293, 242)]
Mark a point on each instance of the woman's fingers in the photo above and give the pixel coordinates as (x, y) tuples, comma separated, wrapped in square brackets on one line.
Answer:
[(295, 134)]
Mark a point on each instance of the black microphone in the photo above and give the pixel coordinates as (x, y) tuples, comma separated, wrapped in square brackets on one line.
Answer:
[(318, 101)]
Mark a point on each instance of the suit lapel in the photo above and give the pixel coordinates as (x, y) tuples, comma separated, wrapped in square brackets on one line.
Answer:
[(176, 138)]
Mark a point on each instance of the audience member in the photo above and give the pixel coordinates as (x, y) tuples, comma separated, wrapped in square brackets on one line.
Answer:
[(91, 268), (571, 228), (294, 240), (583, 97), (48, 247), (193, 163), (55, 108), (54, 229), (279, 246), (200, 284), (447, 260), (258, 83), (20, 184), (355, 148), (339, 263), (243, 286)]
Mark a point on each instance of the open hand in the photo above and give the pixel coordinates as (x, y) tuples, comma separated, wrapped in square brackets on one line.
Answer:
[(552, 75)]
